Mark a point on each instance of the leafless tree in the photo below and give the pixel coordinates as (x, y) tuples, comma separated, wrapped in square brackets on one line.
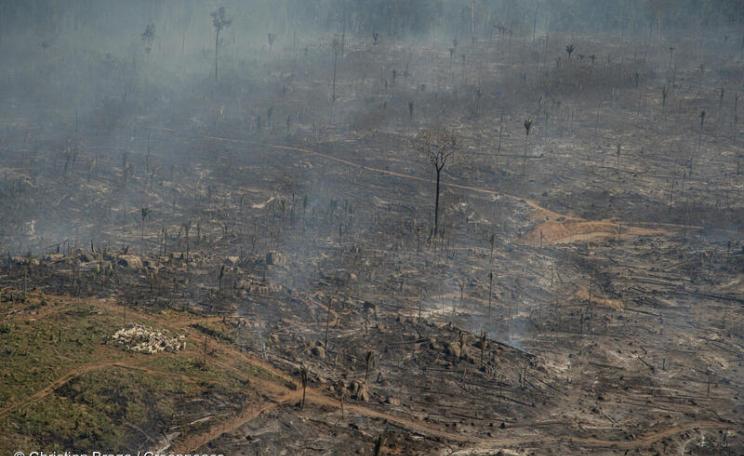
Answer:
[(186, 229), (220, 22), (303, 379), (144, 212), (336, 47), (439, 147), (341, 390), (148, 37), (699, 143), (368, 362), (328, 323)]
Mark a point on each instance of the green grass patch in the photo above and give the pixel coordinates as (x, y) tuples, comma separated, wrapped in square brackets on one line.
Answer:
[(36, 352), (110, 407)]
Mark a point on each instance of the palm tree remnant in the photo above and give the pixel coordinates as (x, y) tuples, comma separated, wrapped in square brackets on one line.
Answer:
[(570, 49), (527, 129)]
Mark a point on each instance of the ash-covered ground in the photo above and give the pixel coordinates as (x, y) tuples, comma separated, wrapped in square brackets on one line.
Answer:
[(351, 227)]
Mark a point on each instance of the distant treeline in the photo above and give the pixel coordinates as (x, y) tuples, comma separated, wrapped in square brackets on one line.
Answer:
[(462, 18)]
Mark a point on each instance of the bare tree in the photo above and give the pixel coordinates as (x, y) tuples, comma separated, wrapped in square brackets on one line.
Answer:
[(186, 229), (220, 22), (341, 390), (439, 147), (368, 362), (527, 129), (148, 37), (699, 143), (336, 47), (328, 323), (303, 378), (144, 212)]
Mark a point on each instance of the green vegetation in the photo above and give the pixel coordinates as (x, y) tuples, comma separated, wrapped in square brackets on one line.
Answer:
[(65, 387)]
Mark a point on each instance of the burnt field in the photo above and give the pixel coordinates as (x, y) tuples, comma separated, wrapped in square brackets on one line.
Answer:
[(506, 241)]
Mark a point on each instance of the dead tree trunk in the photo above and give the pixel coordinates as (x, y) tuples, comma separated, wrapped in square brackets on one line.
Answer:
[(436, 201)]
